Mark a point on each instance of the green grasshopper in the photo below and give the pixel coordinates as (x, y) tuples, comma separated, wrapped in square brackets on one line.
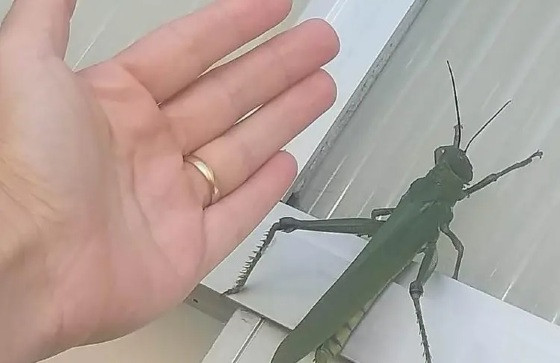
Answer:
[(413, 227)]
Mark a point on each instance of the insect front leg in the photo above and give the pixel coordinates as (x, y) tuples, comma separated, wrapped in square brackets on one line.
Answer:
[(416, 290), (495, 176), (357, 226), (458, 247)]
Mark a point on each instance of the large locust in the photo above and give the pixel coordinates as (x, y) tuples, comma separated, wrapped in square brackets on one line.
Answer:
[(396, 236)]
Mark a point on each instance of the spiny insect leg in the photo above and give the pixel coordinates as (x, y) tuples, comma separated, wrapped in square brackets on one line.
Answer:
[(253, 260), (358, 226), (422, 327), (416, 290)]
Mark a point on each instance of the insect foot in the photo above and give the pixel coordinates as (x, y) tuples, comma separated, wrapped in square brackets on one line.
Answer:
[(232, 291)]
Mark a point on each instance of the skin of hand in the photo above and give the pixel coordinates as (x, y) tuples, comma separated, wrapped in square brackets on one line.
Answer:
[(104, 227)]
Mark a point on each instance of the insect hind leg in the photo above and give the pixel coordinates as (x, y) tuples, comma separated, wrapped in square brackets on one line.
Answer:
[(357, 226), (253, 260)]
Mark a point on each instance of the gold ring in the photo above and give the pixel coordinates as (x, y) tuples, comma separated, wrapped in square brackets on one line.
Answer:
[(207, 173)]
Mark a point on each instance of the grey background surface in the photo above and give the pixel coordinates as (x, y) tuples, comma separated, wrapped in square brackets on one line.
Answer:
[(101, 28)]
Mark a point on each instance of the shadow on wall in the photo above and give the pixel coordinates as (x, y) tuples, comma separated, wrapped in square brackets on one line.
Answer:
[(184, 335)]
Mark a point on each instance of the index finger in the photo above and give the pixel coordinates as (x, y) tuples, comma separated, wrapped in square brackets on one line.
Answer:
[(39, 26), (168, 59)]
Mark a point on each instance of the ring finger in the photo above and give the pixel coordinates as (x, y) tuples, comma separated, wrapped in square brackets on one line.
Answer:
[(241, 151)]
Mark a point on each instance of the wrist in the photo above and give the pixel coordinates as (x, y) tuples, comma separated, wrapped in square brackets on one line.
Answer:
[(27, 315)]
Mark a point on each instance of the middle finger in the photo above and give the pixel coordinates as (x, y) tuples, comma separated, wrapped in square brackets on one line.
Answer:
[(241, 151), (248, 82)]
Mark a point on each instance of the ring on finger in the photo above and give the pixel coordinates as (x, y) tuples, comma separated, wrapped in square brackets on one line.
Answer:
[(207, 173)]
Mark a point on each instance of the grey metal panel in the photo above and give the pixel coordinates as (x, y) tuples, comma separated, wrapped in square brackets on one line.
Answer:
[(4, 7), (101, 28), (499, 50), (131, 19)]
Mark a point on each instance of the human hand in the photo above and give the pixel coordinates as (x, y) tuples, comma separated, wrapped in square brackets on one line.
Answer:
[(104, 226)]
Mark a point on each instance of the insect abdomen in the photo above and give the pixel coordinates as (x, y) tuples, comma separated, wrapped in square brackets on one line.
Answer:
[(335, 344)]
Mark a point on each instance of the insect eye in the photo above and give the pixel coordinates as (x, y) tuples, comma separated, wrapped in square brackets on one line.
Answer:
[(438, 153)]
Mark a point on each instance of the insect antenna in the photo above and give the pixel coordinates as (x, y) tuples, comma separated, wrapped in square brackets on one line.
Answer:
[(486, 124), (458, 127)]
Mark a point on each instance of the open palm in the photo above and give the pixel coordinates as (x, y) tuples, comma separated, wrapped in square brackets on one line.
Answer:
[(117, 227)]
